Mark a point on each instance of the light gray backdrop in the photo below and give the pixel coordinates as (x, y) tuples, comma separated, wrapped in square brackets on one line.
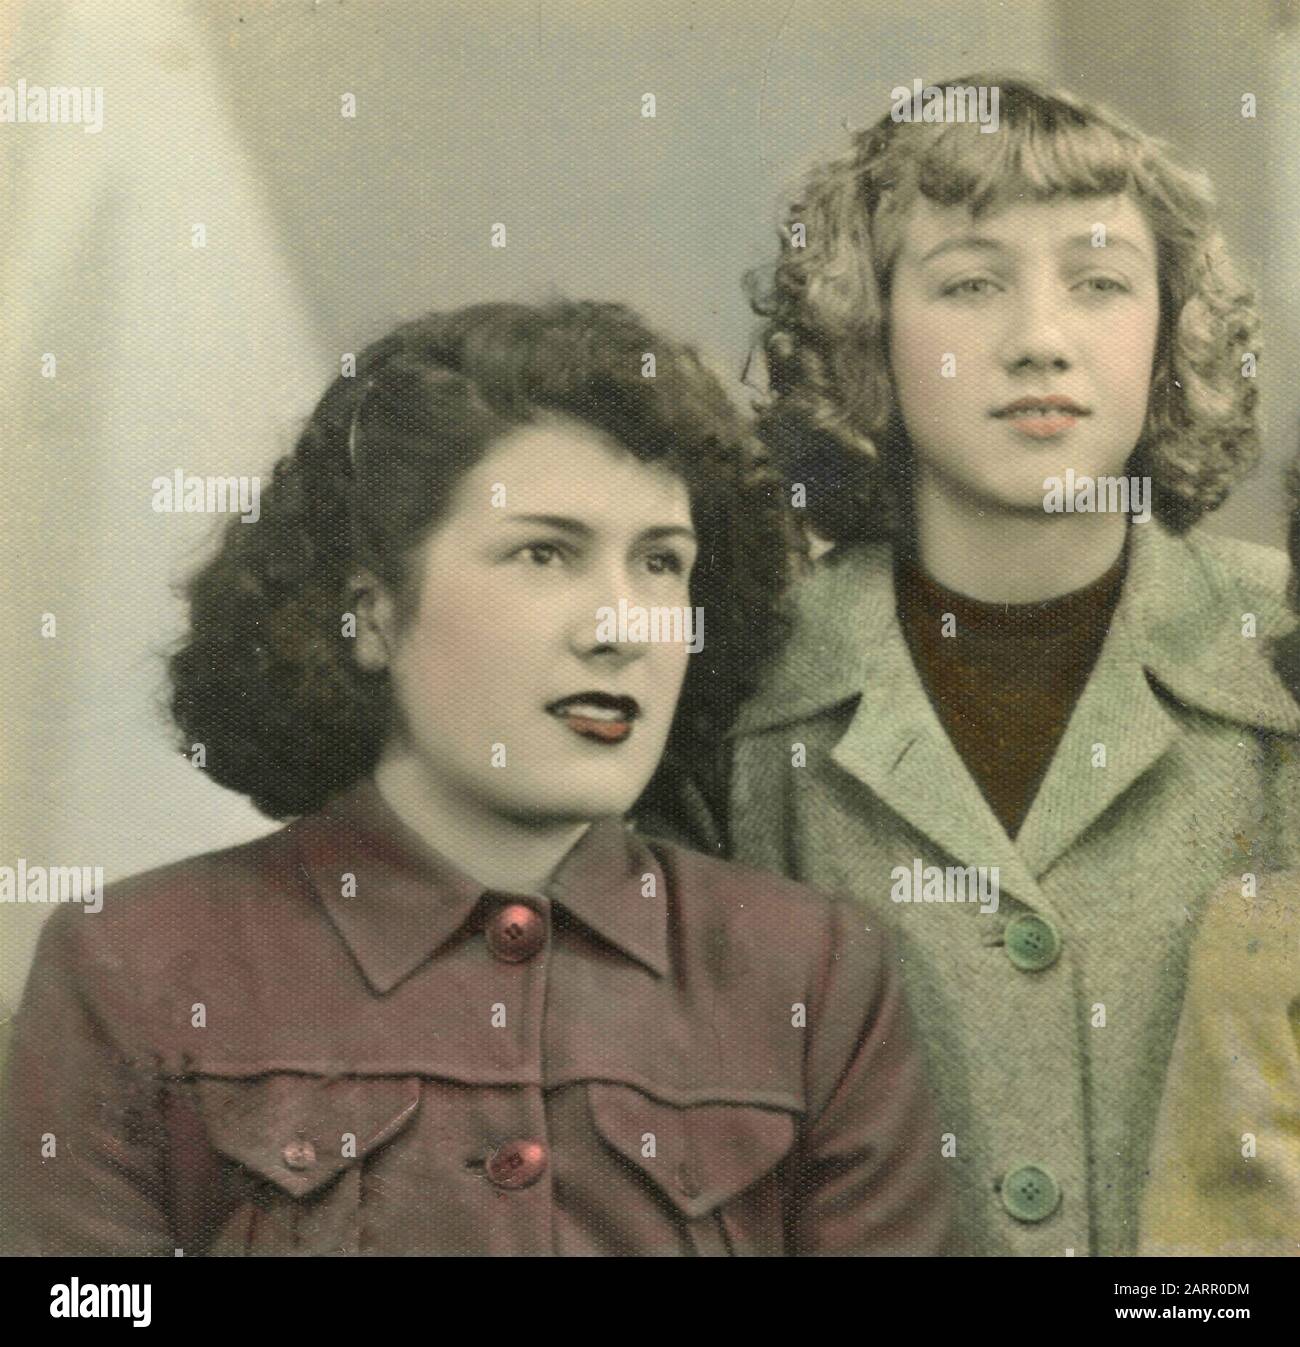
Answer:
[(321, 231)]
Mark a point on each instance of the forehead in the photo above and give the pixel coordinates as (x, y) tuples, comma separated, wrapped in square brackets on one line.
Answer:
[(1030, 227), (564, 468)]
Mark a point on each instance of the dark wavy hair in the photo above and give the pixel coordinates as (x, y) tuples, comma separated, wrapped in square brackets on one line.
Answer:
[(832, 419), (265, 678)]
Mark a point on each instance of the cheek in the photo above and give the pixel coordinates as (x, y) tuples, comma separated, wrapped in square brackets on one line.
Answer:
[(672, 662), (911, 353), (446, 672), (432, 681), (922, 345), (1127, 353)]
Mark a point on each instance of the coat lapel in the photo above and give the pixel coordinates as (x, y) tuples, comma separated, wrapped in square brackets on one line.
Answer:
[(846, 644), (1118, 714), (1175, 640), (897, 747)]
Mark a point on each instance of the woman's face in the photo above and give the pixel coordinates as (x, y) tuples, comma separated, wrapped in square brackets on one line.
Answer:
[(512, 697), (1022, 305)]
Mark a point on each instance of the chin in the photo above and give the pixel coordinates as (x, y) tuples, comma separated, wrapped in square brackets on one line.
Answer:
[(548, 807), (1013, 498)]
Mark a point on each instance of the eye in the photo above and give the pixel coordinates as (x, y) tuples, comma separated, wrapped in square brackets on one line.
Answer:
[(972, 285), (539, 553), (665, 563), (1106, 285)]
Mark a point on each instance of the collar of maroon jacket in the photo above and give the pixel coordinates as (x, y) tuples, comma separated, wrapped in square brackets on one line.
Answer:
[(407, 901)]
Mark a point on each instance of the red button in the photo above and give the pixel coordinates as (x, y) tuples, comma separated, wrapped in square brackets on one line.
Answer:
[(299, 1154), (517, 1164), (516, 932)]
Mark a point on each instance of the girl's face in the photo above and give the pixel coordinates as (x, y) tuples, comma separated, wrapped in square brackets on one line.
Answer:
[(513, 698), (1022, 305)]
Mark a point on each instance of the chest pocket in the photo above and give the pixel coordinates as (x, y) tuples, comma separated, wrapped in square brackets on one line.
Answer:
[(299, 1146), (719, 1164)]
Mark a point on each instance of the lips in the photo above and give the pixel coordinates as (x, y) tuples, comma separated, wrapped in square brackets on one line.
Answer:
[(1042, 418), (601, 716), (1053, 404)]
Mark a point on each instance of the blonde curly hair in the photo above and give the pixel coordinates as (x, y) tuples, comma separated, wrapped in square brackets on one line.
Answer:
[(831, 417)]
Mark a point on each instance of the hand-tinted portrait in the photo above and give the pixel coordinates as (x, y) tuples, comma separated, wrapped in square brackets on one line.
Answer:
[(651, 631)]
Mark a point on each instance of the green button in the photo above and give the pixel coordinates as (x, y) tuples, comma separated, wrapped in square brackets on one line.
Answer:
[(1030, 1193), (1032, 942)]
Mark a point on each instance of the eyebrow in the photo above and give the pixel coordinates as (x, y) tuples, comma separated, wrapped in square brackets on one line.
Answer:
[(582, 530), (982, 243)]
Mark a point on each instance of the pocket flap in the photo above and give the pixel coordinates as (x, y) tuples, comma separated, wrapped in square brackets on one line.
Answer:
[(704, 1154), (292, 1130)]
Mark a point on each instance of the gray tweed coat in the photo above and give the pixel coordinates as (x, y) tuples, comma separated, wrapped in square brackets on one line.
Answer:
[(1047, 1024)]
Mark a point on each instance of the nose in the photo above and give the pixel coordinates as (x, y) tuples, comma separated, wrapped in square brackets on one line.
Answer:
[(599, 625), (1035, 338)]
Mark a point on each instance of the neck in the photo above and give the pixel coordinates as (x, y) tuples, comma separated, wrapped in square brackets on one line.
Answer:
[(1012, 556), (500, 852)]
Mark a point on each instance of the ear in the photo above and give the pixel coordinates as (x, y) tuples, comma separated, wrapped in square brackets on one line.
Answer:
[(376, 625)]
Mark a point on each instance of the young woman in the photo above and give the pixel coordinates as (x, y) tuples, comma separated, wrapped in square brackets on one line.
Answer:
[(456, 1006), (1030, 734)]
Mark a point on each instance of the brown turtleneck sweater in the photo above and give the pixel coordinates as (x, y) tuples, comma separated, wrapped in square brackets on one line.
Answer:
[(1004, 686)]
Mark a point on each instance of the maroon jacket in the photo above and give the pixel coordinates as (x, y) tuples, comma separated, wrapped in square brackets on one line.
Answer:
[(329, 1040)]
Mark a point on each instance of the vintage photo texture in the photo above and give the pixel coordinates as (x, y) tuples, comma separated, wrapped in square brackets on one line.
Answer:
[(650, 629)]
